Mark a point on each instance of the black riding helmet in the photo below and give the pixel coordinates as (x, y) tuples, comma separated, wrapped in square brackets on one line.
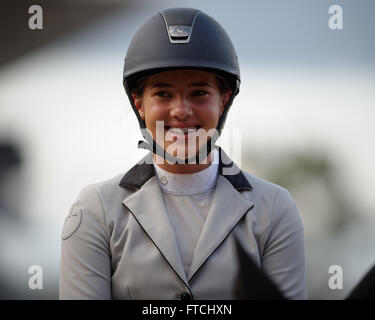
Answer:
[(180, 38)]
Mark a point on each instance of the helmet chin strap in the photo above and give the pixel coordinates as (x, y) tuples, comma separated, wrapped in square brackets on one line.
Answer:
[(204, 151)]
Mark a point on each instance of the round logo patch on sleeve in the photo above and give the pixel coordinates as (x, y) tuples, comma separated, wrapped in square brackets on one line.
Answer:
[(71, 223)]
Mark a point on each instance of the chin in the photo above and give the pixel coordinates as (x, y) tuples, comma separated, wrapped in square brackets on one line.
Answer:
[(185, 153)]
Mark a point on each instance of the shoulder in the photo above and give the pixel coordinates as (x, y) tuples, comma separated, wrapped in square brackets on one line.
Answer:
[(274, 202), (108, 185), (105, 198), (264, 189), (92, 206), (101, 194)]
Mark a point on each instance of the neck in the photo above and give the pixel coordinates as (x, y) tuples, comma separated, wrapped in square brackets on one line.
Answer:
[(182, 168)]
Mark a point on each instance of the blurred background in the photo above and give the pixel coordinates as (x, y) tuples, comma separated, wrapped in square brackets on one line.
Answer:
[(305, 115)]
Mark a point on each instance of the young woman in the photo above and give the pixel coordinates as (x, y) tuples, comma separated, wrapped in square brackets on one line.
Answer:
[(185, 222)]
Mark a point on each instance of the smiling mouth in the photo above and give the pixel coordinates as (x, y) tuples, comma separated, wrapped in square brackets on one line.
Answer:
[(182, 130)]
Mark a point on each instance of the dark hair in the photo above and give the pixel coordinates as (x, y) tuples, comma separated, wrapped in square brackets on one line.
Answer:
[(139, 87), (222, 83)]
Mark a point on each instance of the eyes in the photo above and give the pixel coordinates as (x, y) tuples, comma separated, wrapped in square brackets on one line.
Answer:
[(162, 94), (194, 93)]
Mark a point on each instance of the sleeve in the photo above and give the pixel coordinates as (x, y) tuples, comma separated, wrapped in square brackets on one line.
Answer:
[(85, 269), (284, 252)]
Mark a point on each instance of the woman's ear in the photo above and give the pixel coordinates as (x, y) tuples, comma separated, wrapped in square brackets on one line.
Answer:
[(225, 98), (138, 104)]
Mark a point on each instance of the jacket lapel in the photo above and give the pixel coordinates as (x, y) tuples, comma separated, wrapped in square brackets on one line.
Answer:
[(222, 218), (147, 207)]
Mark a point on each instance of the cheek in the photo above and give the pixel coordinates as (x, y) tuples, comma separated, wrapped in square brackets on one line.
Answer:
[(210, 114), (154, 112)]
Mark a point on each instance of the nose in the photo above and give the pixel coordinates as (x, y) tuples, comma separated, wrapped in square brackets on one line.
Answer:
[(181, 108)]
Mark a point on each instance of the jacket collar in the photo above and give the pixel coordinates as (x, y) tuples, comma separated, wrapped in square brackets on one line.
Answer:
[(144, 170)]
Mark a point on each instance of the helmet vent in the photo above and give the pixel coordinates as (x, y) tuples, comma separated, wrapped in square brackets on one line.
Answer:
[(179, 33), (179, 23)]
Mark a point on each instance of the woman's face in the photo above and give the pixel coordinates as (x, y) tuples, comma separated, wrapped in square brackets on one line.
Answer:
[(187, 104)]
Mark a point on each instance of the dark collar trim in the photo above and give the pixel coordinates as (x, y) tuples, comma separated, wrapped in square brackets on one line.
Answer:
[(238, 180), (138, 175)]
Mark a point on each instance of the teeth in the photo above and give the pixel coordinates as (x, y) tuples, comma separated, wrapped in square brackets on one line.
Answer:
[(180, 130)]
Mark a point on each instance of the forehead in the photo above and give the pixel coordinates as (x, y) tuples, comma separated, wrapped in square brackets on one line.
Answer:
[(182, 76)]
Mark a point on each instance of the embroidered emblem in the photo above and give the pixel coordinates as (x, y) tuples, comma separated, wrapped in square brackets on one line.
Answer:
[(71, 223), (164, 180)]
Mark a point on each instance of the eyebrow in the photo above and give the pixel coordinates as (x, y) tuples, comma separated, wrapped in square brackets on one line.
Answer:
[(200, 84), (161, 85), (193, 84)]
